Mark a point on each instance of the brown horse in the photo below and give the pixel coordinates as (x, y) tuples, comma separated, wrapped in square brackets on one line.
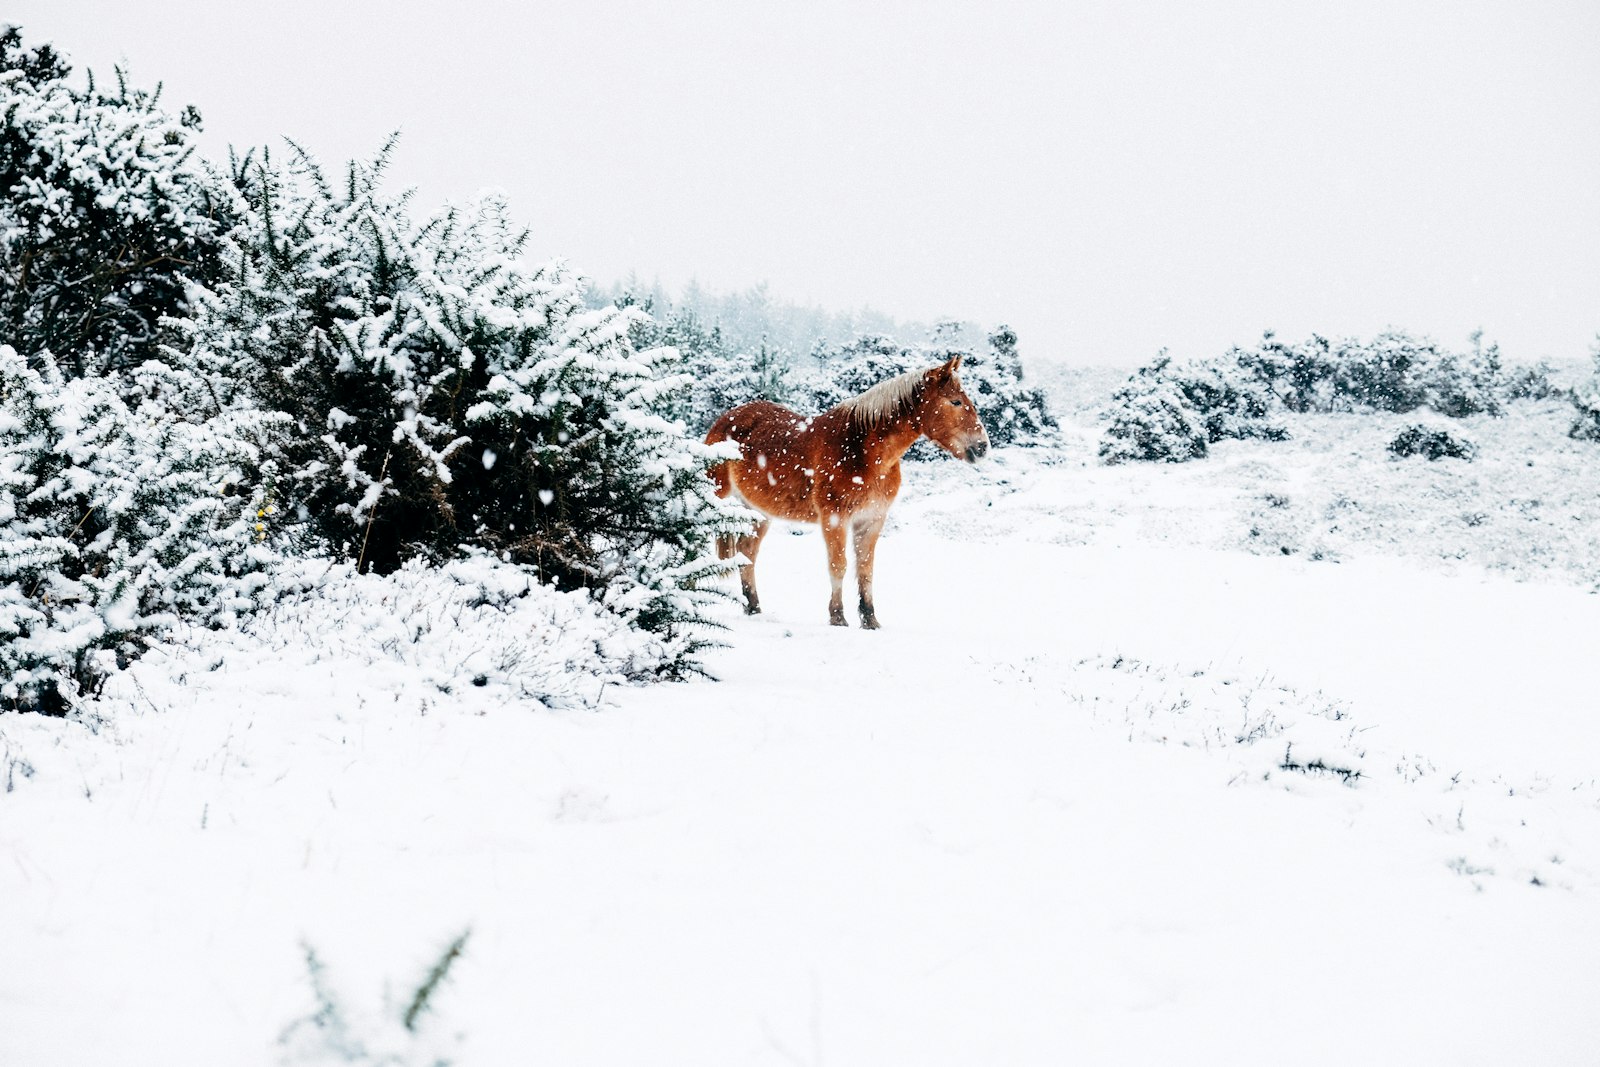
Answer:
[(840, 469)]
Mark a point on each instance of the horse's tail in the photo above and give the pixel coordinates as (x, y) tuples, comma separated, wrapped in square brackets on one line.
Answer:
[(721, 430), (722, 474)]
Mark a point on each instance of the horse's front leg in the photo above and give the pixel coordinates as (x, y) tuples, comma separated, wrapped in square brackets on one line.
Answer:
[(867, 529), (833, 534)]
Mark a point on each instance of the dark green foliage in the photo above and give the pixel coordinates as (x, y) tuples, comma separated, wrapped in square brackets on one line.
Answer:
[(1531, 382), (1431, 443), (1167, 409), (445, 396), (104, 216), (1150, 420), (1586, 404)]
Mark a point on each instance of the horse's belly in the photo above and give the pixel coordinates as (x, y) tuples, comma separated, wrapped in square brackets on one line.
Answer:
[(773, 491)]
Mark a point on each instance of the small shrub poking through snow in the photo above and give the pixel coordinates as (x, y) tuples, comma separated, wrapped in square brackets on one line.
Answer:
[(1431, 442), (397, 1034)]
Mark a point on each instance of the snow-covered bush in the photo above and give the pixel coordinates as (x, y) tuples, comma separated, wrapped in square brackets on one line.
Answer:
[(116, 519), (1586, 402), (103, 214), (1383, 374), (474, 622), (1151, 420), (1431, 442), (1172, 412), (1470, 383), (1156, 415), (1531, 381), (444, 395)]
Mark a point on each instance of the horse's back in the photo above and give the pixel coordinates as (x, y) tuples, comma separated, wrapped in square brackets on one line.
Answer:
[(747, 420), (775, 470)]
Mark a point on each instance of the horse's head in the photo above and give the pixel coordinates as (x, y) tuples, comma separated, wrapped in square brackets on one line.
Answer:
[(947, 417)]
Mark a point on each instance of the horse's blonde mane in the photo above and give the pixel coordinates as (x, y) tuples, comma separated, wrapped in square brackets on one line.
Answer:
[(887, 400)]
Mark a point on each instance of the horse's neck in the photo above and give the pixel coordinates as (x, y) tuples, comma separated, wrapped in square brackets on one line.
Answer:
[(895, 439)]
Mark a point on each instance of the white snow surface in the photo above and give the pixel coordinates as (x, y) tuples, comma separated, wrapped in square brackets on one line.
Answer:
[(1115, 784)]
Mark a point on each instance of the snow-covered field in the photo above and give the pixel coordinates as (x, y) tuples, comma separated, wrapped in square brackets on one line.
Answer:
[(1288, 756)]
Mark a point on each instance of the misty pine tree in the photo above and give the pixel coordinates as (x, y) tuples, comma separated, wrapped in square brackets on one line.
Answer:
[(104, 214)]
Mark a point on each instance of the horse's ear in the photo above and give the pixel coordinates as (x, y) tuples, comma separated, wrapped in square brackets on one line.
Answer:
[(945, 371)]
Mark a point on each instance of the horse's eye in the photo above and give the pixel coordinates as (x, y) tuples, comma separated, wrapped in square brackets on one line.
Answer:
[(955, 403)]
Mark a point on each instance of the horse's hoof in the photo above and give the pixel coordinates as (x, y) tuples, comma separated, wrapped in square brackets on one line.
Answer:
[(870, 624), (837, 620), (752, 609)]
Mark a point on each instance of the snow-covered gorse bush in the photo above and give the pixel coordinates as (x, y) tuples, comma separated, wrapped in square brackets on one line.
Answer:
[(122, 508), (444, 395), (210, 368), (1431, 442), (103, 214), (1586, 402), (1171, 411), (1175, 413), (117, 517)]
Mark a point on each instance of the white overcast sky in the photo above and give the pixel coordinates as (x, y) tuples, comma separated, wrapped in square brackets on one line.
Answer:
[(1110, 178)]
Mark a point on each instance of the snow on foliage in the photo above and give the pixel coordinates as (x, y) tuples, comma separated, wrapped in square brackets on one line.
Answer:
[(293, 348), (407, 352), (117, 518), (471, 624), (103, 211), (1174, 413), (1586, 402), (1171, 411), (713, 375), (1432, 442)]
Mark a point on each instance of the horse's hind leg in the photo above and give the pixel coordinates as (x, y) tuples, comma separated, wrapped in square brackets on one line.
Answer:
[(867, 529), (833, 535), (749, 545)]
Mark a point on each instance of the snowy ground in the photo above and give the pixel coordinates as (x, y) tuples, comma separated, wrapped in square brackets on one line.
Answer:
[(1119, 782)]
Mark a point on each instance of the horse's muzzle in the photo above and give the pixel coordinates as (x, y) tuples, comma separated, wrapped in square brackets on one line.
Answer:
[(977, 451)]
